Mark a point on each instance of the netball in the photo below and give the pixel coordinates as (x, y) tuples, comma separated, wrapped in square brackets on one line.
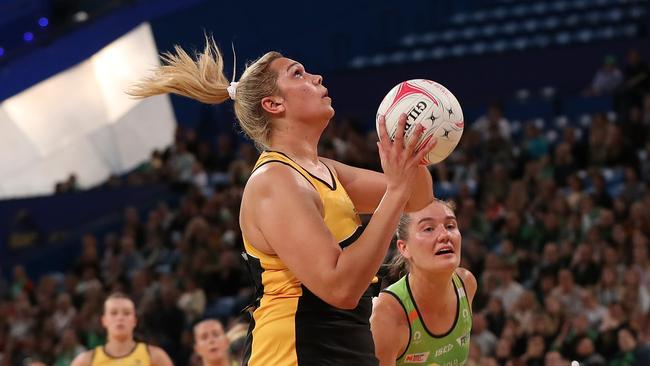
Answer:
[(427, 103)]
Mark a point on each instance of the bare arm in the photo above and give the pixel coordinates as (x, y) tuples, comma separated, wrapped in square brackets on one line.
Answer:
[(159, 357), (286, 211), (366, 187), (389, 329), (83, 359), (304, 243)]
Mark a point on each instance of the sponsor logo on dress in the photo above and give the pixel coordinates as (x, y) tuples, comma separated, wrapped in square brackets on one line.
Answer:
[(463, 340), (417, 337), (465, 313), (443, 350), (416, 357)]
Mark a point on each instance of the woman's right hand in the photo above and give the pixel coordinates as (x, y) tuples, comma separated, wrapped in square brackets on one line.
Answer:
[(400, 160)]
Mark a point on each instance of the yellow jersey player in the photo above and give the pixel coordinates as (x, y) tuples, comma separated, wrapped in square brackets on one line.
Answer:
[(121, 349), (310, 258)]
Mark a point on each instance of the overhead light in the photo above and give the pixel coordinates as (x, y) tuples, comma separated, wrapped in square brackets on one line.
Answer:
[(80, 16), (43, 22), (28, 36)]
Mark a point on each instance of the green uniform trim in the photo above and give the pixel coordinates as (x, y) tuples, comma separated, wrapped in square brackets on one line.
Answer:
[(425, 347)]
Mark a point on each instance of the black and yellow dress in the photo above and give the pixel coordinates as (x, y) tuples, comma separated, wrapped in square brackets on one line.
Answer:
[(139, 356), (291, 325)]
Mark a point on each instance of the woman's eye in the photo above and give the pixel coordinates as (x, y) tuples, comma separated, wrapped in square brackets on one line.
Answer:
[(428, 229), (297, 73)]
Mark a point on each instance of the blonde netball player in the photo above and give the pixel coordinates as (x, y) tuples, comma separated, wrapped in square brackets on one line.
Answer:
[(311, 260), (119, 320), (426, 316)]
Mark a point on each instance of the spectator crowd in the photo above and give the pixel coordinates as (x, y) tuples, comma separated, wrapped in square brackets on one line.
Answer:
[(556, 230)]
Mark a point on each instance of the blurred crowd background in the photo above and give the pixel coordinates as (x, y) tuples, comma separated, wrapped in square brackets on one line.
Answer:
[(554, 210)]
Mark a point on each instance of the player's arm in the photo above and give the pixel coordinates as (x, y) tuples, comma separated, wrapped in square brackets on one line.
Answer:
[(389, 329), (159, 357), (288, 213), (83, 359), (367, 187), (470, 283), (299, 236)]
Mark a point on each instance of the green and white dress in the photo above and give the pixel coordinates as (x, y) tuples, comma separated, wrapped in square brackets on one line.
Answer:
[(424, 347)]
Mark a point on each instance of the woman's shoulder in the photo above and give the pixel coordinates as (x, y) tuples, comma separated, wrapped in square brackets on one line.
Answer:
[(331, 164), (276, 174), (277, 187), (388, 308), (469, 280)]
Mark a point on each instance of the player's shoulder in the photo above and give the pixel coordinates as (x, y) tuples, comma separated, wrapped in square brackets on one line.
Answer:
[(152, 349), (84, 358), (387, 308), (469, 280), (158, 356), (335, 166), (389, 326), (465, 275), (277, 175)]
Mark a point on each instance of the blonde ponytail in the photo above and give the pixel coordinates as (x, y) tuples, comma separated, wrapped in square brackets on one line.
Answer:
[(203, 80)]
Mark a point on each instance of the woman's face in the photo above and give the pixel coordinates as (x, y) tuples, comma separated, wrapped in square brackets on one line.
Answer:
[(210, 341), (626, 341), (434, 242), (302, 95), (119, 317)]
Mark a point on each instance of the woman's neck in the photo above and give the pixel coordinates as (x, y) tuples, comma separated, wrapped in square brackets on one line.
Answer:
[(119, 348), (300, 154), (425, 286), (221, 362), (298, 141)]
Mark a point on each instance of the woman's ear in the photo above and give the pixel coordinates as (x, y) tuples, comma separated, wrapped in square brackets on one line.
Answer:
[(273, 105), (403, 249)]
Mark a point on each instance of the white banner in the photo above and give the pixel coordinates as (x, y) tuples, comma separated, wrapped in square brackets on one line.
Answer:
[(80, 121)]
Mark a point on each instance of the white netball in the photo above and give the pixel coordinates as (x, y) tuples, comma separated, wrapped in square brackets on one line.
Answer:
[(429, 104)]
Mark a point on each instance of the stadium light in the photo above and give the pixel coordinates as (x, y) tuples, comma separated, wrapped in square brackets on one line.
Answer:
[(80, 16)]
